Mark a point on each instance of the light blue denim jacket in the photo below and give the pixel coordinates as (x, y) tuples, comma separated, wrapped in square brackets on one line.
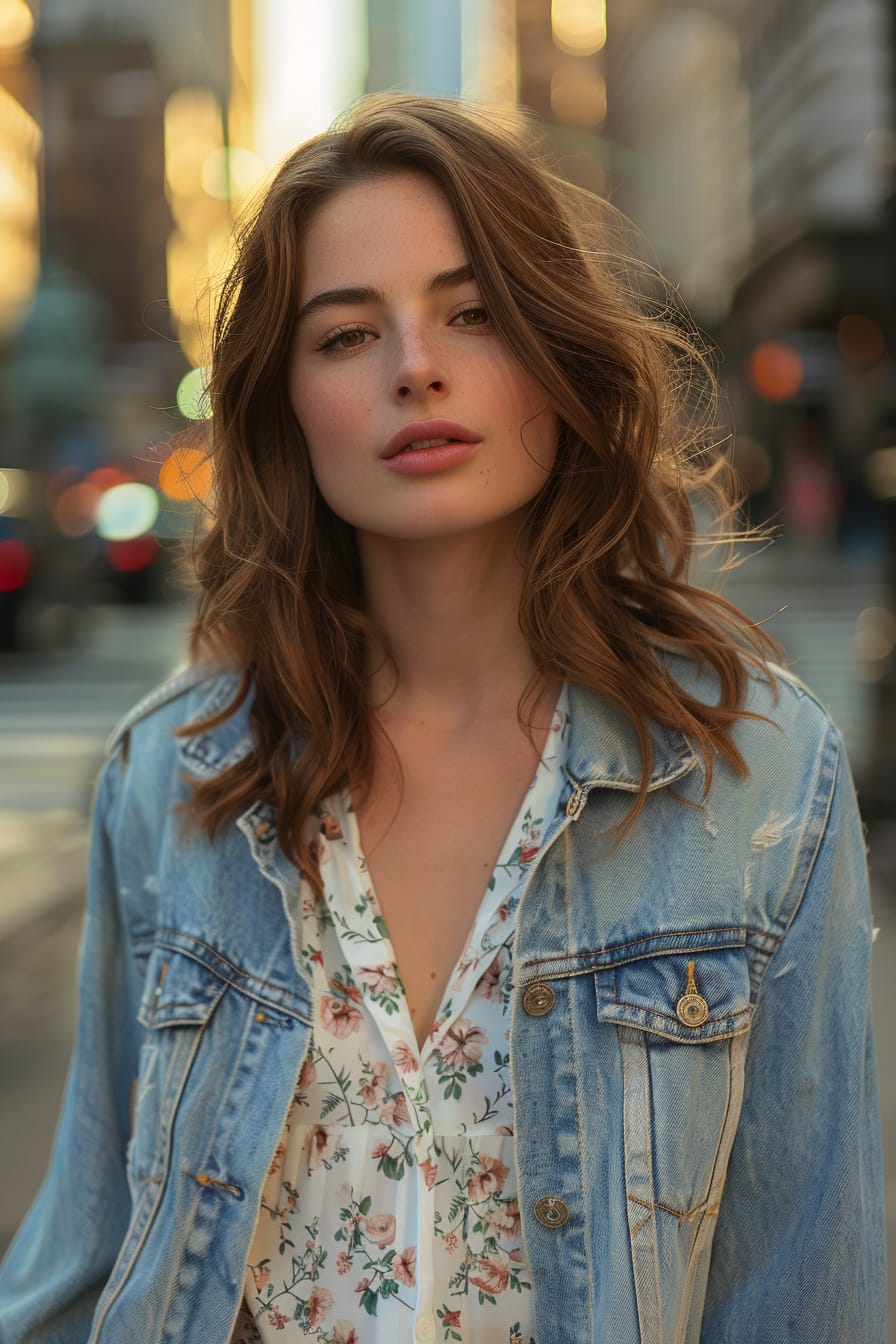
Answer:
[(680, 1179)]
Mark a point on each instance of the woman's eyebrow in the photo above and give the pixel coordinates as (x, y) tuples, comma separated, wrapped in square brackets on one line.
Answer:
[(458, 275)]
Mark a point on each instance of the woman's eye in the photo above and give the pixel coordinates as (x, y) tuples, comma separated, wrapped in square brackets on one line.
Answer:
[(472, 317), (350, 338)]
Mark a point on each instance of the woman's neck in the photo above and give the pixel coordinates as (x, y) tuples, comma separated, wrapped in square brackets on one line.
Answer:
[(449, 609)]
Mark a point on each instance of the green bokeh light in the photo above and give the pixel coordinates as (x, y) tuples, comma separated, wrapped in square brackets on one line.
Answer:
[(192, 396)]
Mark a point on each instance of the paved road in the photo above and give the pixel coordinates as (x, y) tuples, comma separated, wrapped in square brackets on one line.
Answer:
[(54, 717)]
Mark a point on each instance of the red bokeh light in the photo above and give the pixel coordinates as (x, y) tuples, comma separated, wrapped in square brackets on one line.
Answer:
[(15, 565), (129, 556)]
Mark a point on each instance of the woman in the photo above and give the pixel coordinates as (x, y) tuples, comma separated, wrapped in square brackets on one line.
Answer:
[(482, 925)]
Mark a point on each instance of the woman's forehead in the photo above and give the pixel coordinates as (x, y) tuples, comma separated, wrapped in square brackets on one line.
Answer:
[(380, 224)]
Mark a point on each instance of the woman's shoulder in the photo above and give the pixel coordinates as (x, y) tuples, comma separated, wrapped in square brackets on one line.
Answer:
[(772, 694), (192, 693)]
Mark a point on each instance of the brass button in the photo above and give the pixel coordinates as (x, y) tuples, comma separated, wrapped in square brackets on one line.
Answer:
[(538, 1000), (551, 1211), (692, 1009)]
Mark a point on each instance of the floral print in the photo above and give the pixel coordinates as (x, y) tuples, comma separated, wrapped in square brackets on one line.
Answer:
[(393, 1191)]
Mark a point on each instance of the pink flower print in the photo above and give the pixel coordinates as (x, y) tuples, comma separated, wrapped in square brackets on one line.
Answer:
[(463, 1044), (493, 1276), (489, 1180), (451, 1318), (490, 980), (404, 1058), (378, 979), (277, 1159), (307, 1076), (381, 1150), (362, 1284), (339, 1018), (395, 1111), (373, 1089), (343, 1263), (277, 1319), (436, 1028), (449, 1241), (329, 827), (430, 1172), (528, 852), (380, 1228), (322, 1141), (260, 1274), (349, 989), (404, 1266), (505, 1219), (320, 1300), (344, 1333)]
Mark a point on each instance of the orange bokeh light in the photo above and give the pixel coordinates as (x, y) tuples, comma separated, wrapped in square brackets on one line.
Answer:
[(75, 509), (186, 474), (775, 370)]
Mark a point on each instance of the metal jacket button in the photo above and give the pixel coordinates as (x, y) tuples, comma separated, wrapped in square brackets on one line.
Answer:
[(692, 1009), (551, 1211), (538, 1000)]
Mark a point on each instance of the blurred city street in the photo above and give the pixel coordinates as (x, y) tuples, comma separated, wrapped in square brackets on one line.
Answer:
[(56, 715)]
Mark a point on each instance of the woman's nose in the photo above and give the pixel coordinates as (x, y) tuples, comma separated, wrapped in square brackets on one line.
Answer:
[(420, 372)]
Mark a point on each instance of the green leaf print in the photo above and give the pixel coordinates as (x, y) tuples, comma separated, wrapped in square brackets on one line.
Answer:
[(369, 1302), (364, 1206)]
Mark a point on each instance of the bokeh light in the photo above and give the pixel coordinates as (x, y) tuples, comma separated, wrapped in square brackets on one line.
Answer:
[(104, 478), (874, 640), (192, 395), (15, 492), (186, 474), (129, 556), (15, 564), (775, 371), (578, 95), (16, 25), (126, 511), (75, 509), (579, 26), (880, 473), (861, 340)]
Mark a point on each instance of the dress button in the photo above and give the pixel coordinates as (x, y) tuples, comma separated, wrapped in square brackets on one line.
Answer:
[(425, 1329), (538, 1000), (551, 1211)]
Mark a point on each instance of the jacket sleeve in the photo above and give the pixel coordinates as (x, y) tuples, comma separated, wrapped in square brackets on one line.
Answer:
[(799, 1248), (64, 1251)]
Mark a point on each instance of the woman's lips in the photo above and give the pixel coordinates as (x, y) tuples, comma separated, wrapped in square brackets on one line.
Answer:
[(426, 461), (421, 431)]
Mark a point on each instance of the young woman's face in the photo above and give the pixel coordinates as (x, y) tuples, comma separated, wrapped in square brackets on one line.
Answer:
[(393, 347)]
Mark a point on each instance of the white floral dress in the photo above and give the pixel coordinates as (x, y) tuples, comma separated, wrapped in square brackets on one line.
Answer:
[(390, 1210)]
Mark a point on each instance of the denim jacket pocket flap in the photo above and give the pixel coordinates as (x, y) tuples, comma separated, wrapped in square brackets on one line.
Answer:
[(178, 991), (693, 998)]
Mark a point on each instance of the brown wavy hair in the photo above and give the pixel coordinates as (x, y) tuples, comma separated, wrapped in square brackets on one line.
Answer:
[(607, 543)]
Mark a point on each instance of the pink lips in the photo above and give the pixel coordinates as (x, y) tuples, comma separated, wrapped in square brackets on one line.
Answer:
[(427, 429)]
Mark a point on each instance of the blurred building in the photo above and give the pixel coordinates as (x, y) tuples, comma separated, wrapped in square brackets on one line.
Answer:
[(753, 143), (20, 148)]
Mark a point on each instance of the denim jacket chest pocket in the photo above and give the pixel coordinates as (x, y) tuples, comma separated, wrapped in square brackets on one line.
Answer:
[(179, 998), (682, 1019), (201, 1014)]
